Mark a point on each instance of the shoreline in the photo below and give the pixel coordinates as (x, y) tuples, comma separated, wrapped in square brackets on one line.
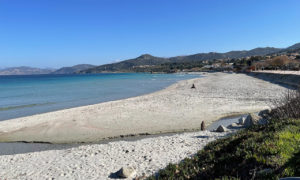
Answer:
[(13, 148), (69, 108), (135, 115), (20, 111)]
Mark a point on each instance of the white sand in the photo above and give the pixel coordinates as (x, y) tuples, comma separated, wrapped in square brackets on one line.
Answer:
[(175, 108), (98, 161)]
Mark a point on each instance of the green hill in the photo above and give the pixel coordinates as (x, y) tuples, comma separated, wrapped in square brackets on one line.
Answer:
[(147, 60)]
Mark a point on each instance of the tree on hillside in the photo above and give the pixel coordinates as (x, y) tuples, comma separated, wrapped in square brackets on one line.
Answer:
[(260, 65), (278, 62)]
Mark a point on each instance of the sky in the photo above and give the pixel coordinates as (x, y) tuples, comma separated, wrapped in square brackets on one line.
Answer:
[(57, 33)]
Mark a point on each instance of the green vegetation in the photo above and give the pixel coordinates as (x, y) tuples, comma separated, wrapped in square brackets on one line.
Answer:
[(239, 61), (171, 67), (149, 63), (260, 152), (263, 152)]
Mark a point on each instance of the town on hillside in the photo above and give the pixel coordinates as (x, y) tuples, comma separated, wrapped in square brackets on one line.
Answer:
[(286, 60)]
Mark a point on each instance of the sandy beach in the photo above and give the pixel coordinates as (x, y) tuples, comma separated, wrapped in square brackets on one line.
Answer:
[(100, 161), (176, 108)]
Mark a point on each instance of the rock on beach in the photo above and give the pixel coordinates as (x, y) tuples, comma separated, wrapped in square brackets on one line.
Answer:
[(126, 172), (221, 128), (242, 120), (252, 119)]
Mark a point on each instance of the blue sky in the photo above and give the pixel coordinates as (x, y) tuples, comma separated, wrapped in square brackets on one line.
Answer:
[(55, 33)]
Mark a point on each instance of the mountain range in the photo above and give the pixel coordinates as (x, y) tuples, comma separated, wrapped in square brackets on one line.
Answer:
[(24, 70), (295, 46), (149, 60), (145, 60), (73, 69)]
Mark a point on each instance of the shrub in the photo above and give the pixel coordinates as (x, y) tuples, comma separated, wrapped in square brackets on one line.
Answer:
[(288, 106)]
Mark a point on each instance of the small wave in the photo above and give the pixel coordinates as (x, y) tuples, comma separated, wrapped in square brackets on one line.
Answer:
[(23, 106)]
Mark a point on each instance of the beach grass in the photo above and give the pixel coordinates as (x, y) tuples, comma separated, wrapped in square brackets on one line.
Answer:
[(261, 152)]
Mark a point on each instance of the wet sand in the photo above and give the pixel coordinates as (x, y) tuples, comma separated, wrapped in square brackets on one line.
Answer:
[(13, 148)]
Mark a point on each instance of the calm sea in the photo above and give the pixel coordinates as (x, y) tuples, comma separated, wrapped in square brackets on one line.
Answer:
[(29, 95)]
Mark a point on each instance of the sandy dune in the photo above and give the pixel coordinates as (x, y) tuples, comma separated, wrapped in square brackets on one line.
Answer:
[(175, 108)]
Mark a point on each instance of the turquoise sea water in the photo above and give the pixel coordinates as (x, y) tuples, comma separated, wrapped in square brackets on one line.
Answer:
[(29, 95)]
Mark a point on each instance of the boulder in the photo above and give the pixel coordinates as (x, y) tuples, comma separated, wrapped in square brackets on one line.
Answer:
[(252, 119), (126, 172), (221, 128), (242, 120), (265, 113)]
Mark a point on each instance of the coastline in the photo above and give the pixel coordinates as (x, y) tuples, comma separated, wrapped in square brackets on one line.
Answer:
[(12, 148), (49, 93), (177, 108)]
